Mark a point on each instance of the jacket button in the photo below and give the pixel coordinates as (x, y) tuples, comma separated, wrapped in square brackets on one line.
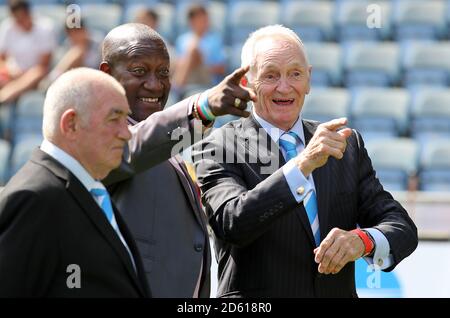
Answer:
[(198, 247), (300, 190)]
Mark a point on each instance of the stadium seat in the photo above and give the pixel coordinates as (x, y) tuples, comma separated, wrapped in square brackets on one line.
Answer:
[(312, 21), (166, 14), (352, 17), (419, 20), (5, 149), (371, 64), (22, 152), (247, 16), (426, 64), (101, 17), (380, 112), (431, 114), (394, 161), (324, 104), (326, 60), (435, 166), (29, 115)]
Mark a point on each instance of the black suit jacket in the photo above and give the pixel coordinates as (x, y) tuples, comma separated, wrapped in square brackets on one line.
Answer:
[(263, 240), (162, 210), (48, 221)]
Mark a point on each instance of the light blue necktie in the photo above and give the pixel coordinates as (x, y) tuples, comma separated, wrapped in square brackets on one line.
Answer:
[(288, 141), (105, 202)]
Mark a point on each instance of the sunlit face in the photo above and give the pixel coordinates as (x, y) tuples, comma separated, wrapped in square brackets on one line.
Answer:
[(101, 142), (23, 19), (144, 73), (281, 80)]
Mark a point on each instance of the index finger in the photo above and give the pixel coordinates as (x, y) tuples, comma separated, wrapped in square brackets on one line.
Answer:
[(237, 74), (335, 123)]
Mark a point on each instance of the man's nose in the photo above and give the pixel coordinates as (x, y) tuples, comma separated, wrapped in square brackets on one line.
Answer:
[(152, 82), (124, 132), (284, 86)]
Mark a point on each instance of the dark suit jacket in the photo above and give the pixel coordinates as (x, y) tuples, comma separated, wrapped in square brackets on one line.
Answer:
[(163, 212), (48, 221), (263, 240), (157, 200)]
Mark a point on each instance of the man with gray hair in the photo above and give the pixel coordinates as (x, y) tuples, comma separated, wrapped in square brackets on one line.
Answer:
[(294, 232), (60, 236)]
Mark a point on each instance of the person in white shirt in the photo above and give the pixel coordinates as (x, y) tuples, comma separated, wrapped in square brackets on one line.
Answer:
[(26, 46)]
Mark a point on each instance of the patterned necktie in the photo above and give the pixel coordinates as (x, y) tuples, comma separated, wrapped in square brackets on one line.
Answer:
[(288, 141)]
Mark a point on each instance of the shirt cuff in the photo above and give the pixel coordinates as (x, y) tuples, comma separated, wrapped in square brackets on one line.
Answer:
[(381, 256), (298, 184)]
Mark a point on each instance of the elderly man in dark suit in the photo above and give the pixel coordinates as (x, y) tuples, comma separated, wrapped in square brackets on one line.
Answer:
[(160, 205), (293, 203), (60, 236)]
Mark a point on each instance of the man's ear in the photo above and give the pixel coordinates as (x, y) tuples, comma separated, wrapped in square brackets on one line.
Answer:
[(104, 67), (68, 123)]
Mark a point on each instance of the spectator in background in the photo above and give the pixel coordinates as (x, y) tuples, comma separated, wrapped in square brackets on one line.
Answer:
[(26, 46), (82, 50), (148, 17), (201, 57)]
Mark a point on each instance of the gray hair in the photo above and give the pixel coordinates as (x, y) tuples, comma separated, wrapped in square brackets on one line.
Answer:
[(276, 31), (75, 89)]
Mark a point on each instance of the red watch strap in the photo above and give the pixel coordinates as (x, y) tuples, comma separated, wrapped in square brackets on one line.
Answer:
[(368, 244)]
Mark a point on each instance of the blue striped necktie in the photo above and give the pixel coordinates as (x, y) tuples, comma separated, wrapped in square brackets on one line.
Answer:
[(288, 141)]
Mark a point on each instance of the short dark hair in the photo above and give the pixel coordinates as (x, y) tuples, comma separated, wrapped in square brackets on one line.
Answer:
[(151, 13), (196, 10), (16, 5)]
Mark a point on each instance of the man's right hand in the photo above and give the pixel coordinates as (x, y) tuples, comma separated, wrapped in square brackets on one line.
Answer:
[(326, 142), (222, 97)]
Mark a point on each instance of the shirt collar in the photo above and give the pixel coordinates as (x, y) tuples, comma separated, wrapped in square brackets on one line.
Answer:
[(131, 121), (275, 132), (71, 164)]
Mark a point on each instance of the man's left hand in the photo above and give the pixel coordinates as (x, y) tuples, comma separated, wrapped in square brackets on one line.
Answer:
[(223, 97), (337, 249)]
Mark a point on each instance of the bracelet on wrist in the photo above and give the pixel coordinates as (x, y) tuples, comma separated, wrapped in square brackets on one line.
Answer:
[(367, 241)]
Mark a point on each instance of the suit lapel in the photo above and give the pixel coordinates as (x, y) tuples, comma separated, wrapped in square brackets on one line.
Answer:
[(260, 148), (321, 181), (95, 213), (90, 208)]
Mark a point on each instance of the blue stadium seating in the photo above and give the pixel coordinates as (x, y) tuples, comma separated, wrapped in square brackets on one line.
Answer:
[(393, 169), (352, 17), (380, 112), (426, 64), (326, 60), (419, 19), (435, 166), (247, 16), (431, 114), (22, 152), (313, 21), (371, 64), (324, 104)]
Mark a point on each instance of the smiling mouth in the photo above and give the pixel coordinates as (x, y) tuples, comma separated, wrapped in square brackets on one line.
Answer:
[(283, 101), (150, 100)]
